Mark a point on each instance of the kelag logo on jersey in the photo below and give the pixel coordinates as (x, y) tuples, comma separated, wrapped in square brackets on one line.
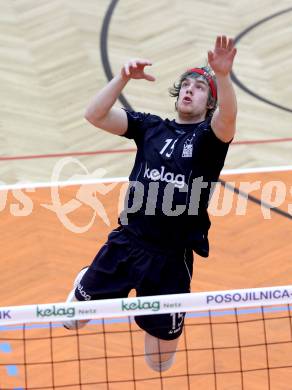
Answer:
[(169, 177)]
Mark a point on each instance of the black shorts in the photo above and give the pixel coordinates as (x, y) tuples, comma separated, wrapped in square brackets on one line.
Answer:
[(124, 263)]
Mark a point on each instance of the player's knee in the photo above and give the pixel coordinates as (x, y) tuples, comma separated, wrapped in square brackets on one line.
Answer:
[(159, 354), (159, 364)]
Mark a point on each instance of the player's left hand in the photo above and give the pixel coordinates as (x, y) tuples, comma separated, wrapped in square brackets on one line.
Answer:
[(221, 58)]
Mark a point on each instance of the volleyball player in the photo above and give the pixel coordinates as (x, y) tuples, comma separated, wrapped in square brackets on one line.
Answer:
[(165, 217)]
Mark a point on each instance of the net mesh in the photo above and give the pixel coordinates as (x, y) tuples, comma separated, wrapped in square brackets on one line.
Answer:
[(224, 347)]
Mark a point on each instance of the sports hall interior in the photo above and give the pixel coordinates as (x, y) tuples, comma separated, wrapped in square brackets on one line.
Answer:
[(62, 179)]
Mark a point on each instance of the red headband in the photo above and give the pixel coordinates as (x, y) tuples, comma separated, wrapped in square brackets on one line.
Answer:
[(208, 78)]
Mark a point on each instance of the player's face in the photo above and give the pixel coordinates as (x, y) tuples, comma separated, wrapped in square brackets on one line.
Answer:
[(193, 97)]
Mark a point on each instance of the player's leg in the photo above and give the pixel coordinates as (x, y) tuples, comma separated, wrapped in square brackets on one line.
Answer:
[(163, 330), (107, 277), (159, 354), (74, 324)]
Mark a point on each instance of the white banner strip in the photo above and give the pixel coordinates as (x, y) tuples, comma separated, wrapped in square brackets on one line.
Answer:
[(67, 183), (160, 304)]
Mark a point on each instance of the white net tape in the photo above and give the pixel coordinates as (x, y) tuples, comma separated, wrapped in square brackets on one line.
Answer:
[(160, 304)]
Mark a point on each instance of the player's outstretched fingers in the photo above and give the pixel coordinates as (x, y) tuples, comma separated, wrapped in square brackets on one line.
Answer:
[(224, 42), (230, 44), (149, 77)]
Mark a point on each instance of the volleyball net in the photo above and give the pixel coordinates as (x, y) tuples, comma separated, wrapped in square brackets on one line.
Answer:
[(235, 339)]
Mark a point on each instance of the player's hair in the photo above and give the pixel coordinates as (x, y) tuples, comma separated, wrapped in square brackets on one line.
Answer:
[(209, 76)]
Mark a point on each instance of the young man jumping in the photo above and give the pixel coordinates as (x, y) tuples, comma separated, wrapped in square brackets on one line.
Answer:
[(165, 217)]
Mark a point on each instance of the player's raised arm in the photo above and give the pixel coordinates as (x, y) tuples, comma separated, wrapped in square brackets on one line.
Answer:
[(101, 111), (221, 60)]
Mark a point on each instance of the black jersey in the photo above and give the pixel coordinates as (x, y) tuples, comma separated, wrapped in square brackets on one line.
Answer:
[(164, 206)]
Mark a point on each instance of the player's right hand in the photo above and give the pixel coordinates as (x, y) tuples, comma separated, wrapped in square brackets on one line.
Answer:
[(134, 69)]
